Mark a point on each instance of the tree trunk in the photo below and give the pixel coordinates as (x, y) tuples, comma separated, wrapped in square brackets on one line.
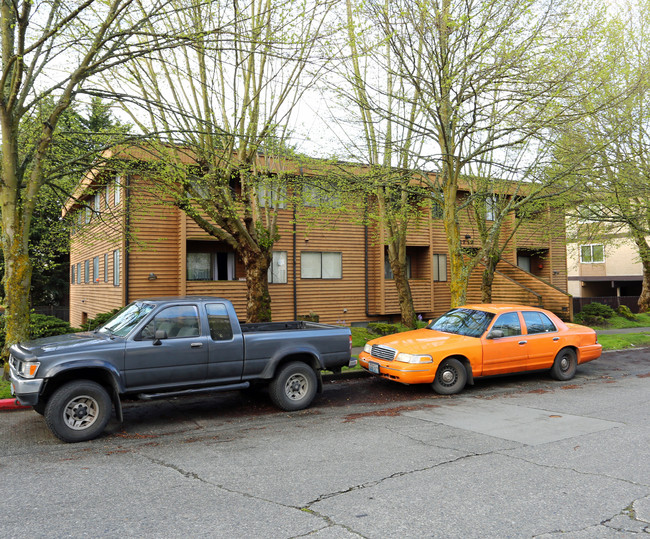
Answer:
[(644, 252), (488, 278), (404, 296), (258, 299)]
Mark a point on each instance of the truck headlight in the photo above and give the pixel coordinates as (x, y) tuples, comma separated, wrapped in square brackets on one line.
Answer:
[(25, 369), (367, 348), (414, 358)]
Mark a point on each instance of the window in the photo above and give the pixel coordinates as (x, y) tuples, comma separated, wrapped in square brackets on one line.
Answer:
[(116, 267), (88, 214), (98, 202), (96, 269), (314, 265), (219, 321), (538, 323), (216, 266), (107, 195), (319, 196), (105, 267), (491, 207), (278, 268), (199, 267), (436, 205), (509, 324), (388, 271), (592, 254), (72, 275), (439, 267), (116, 191), (274, 196), (181, 321), (78, 272), (86, 271)]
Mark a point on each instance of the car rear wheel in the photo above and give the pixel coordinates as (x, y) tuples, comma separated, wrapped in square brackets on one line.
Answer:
[(451, 377), (294, 386), (78, 411), (565, 364)]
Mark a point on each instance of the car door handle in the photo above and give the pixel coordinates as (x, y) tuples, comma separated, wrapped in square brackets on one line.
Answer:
[(523, 342), (196, 345), (556, 338)]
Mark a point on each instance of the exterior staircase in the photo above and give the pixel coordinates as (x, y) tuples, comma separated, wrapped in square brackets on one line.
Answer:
[(527, 290)]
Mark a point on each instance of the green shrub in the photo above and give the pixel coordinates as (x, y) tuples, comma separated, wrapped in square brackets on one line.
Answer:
[(383, 328), (589, 319), (99, 320), (598, 309), (624, 311), (40, 325)]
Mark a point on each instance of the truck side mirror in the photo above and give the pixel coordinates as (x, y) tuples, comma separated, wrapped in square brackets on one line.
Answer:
[(495, 334), (160, 335)]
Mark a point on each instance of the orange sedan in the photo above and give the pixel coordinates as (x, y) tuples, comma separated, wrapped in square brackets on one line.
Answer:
[(481, 340)]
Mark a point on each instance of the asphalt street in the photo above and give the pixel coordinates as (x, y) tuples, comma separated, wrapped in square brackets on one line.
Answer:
[(519, 456)]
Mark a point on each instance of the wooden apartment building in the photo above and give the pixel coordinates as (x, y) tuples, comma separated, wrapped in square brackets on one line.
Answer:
[(337, 271)]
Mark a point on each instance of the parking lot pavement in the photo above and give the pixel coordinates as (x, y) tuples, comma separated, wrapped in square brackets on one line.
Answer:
[(517, 456)]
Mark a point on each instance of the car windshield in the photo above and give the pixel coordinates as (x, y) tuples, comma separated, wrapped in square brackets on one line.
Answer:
[(124, 321), (468, 322)]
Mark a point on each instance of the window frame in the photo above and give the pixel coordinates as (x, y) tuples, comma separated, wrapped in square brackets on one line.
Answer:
[(321, 253), (436, 267), (591, 253), (96, 269), (283, 256), (116, 267)]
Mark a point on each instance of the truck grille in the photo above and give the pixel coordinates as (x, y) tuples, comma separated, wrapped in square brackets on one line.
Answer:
[(383, 352)]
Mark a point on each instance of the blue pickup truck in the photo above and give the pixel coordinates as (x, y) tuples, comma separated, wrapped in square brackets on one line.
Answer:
[(170, 346)]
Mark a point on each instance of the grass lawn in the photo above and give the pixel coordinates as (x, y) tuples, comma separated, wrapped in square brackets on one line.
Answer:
[(618, 322), (622, 341), (5, 391)]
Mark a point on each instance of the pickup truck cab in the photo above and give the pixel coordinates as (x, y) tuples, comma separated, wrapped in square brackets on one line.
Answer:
[(170, 346)]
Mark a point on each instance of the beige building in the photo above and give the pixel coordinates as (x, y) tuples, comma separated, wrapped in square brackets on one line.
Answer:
[(607, 270)]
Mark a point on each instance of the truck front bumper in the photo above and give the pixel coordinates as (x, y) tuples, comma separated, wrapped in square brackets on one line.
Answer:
[(26, 391)]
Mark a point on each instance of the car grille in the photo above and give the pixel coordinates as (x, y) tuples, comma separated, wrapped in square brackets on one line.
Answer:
[(383, 352)]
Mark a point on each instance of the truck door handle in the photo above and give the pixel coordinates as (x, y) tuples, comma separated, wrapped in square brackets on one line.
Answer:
[(196, 345), (523, 342)]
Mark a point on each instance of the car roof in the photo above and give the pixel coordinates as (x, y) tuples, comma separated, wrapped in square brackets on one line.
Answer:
[(497, 308)]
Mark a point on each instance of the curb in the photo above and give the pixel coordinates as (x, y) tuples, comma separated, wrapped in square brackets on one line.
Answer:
[(12, 404)]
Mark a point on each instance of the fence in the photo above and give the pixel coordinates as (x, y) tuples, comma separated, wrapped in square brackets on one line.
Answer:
[(613, 301), (54, 310)]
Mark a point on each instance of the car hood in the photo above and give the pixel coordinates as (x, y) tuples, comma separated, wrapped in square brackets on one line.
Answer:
[(423, 341), (72, 342)]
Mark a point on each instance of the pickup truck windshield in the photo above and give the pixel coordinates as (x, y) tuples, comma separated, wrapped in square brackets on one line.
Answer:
[(466, 322), (124, 321)]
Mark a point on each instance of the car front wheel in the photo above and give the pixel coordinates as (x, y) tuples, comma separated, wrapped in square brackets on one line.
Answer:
[(78, 411), (451, 377)]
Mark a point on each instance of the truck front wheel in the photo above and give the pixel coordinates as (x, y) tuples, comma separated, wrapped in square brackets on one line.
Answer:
[(294, 386), (78, 411)]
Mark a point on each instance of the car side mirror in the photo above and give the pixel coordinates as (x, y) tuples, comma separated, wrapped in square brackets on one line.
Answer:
[(495, 334), (160, 335)]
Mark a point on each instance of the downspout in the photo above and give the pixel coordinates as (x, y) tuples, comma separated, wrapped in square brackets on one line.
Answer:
[(127, 241), (365, 265), (295, 258)]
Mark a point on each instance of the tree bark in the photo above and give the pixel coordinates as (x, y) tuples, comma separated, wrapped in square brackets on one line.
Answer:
[(644, 253), (258, 300)]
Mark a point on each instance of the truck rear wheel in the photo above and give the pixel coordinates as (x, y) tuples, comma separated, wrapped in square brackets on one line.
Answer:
[(294, 386), (78, 411)]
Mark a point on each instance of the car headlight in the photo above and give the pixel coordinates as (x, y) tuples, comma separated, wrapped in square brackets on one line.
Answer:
[(367, 348), (26, 369), (414, 358)]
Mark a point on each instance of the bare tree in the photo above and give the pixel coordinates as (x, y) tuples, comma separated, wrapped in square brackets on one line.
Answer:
[(227, 99), (50, 51), (488, 75)]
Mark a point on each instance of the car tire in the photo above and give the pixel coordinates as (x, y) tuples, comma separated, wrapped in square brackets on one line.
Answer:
[(294, 386), (451, 377), (565, 364), (78, 411)]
